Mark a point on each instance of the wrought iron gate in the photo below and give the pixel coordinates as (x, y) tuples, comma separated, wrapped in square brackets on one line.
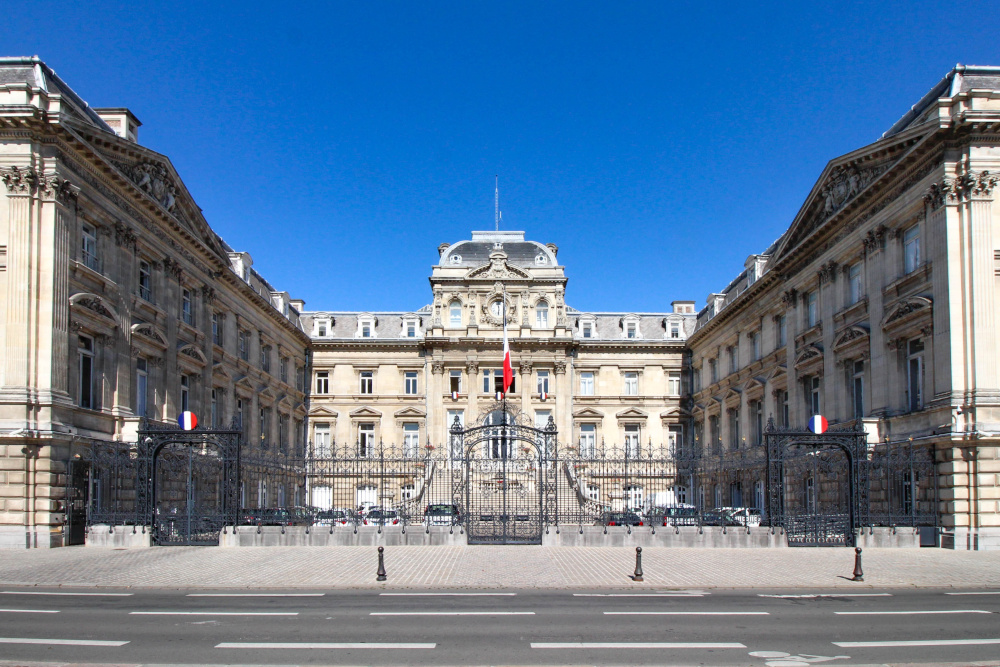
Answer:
[(77, 501), (816, 483), (188, 483), (508, 484)]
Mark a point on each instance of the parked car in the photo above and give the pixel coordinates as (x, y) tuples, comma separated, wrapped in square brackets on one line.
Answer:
[(680, 515), (336, 517), (377, 516), (718, 517), (439, 514), (745, 516), (619, 519)]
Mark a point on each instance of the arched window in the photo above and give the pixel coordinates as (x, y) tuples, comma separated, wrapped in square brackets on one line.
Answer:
[(455, 314), (542, 315)]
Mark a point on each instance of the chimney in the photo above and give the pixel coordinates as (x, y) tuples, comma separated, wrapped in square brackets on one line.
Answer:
[(122, 121)]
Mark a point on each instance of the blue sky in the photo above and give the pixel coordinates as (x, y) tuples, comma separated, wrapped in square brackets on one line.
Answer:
[(656, 143)]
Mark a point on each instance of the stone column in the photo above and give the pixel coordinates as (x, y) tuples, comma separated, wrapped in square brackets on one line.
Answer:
[(563, 416), (22, 185), (525, 372), (434, 391)]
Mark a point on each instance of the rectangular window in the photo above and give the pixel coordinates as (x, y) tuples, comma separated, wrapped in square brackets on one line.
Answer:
[(367, 382), (854, 284), (214, 421), (675, 329), (265, 358), (858, 389), (755, 345), (455, 381), (631, 330), (631, 384), (411, 329), (757, 417), (675, 439), (283, 368), (145, 281), (588, 440), (265, 427), (543, 382), (300, 378), (185, 393), (323, 382), (321, 440), (366, 439), (587, 383), (673, 384), (141, 387), (713, 367), (496, 386), (216, 329), (813, 385), (411, 440), (714, 438), (542, 315), (321, 328), (282, 432), (366, 329), (588, 330), (734, 358), (241, 414), (734, 429), (187, 307), (455, 314), (783, 407), (631, 441), (88, 247), (410, 383), (812, 310), (915, 374), (244, 345), (911, 249), (782, 331)]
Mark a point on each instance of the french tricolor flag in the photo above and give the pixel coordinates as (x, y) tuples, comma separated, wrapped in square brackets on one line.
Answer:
[(454, 395), (508, 370), (818, 424), (187, 421), (545, 395)]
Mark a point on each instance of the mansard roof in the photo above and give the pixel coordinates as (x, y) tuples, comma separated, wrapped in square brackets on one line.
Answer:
[(476, 252)]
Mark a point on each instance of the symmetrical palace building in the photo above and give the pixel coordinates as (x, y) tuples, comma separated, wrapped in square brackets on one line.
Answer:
[(120, 304)]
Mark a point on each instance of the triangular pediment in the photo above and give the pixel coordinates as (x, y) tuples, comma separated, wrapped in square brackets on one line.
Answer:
[(219, 370), (674, 413), (588, 413), (322, 411), (264, 392), (845, 180), (285, 401), (634, 413), (410, 411), (244, 382), (366, 412), (776, 372), (733, 393)]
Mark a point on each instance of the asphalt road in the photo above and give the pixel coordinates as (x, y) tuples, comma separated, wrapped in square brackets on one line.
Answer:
[(664, 627)]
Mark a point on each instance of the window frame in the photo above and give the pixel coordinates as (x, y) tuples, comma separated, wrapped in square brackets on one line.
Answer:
[(410, 379), (911, 249), (366, 384), (88, 247), (630, 383), (187, 306), (587, 383), (322, 382)]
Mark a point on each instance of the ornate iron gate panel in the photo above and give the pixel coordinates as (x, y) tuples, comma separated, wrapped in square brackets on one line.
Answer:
[(508, 485), (817, 484), (188, 483), (77, 501)]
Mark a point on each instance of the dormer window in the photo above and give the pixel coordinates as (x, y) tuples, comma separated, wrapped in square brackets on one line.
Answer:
[(366, 327), (631, 330), (455, 259), (411, 327), (587, 330), (630, 327), (322, 328)]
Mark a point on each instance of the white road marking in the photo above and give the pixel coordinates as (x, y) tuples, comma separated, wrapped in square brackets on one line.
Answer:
[(287, 645), (829, 595), (447, 594), (940, 611), (452, 613), (919, 642), (59, 642), (592, 645), (975, 593), (687, 613), (638, 595), (47, 593), (29, 611), (255, 595), (213, 613)]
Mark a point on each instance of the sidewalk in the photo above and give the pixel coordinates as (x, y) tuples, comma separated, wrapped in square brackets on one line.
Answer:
[(513, 567)]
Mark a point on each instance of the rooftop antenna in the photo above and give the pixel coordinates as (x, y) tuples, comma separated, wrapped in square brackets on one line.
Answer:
[(496, 204)]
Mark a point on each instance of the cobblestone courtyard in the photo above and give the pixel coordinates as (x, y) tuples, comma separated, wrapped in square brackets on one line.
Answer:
[(495, 567)]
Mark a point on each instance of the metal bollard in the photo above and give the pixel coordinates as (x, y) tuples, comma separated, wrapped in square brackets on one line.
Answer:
[(381, 565), (637, 575), (859, 575)]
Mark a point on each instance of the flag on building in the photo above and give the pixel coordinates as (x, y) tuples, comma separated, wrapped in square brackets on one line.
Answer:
[(818, 424), (508, 370), (187, 421)]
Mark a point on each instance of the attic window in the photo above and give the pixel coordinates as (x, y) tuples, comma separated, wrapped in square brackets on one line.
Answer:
[(540, 259), (455, 259)]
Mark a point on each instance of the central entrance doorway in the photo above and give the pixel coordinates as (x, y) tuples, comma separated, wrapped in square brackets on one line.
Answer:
[(508, 477)]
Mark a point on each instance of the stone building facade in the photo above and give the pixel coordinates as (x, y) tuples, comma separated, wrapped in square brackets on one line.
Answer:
[(404, 378), (119, 302), (879, 303)]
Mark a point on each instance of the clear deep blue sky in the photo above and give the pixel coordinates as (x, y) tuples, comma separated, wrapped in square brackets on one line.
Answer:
[(656, 143)]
